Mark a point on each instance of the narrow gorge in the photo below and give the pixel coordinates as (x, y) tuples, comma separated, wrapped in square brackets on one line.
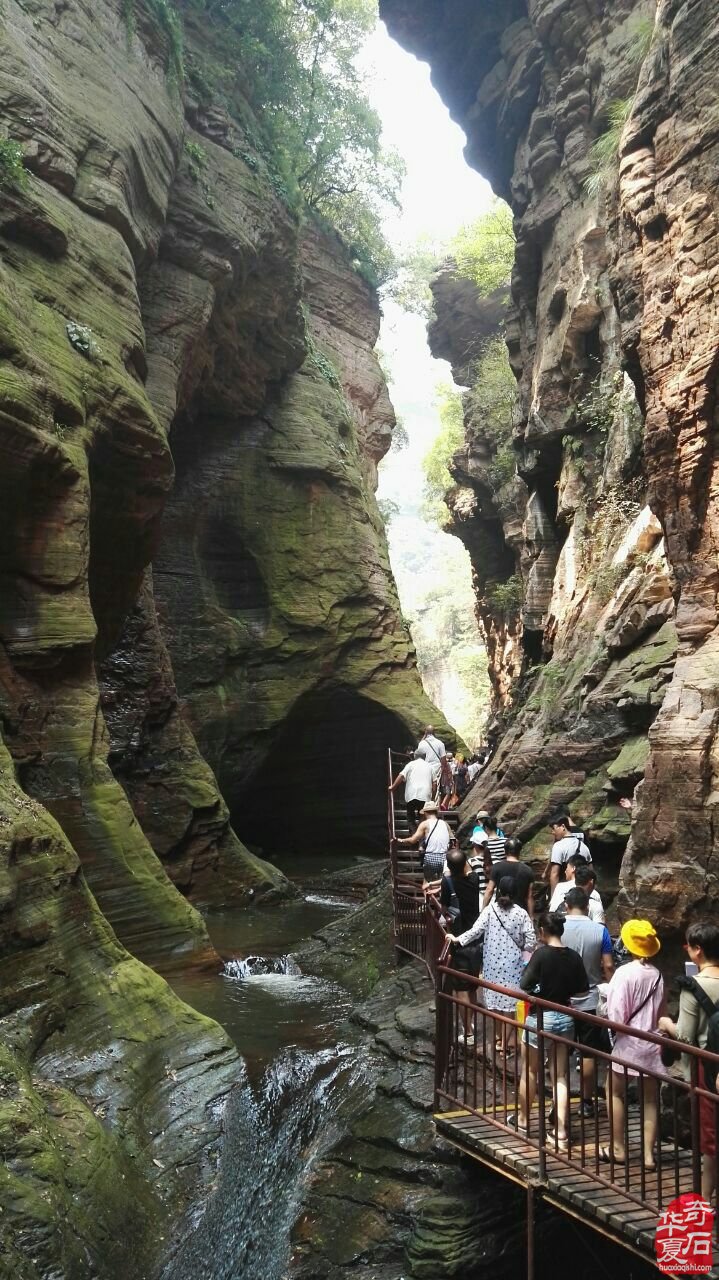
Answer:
[(203, 657)]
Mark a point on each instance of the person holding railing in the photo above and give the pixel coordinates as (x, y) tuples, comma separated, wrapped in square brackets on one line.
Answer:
[(635, 997), (702, 946), (435, 838), (459, 898), (557, 974), (418, 782), (508, 933)]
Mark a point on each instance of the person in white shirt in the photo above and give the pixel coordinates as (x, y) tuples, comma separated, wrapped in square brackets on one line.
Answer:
[(435, 838), (566, 843), (418, 782), (432, 749), (579, 876)]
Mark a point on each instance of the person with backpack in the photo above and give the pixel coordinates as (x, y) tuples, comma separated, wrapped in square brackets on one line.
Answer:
[(567, 841), (698, 1024), (459, 897), (580, 875), (635, 997)]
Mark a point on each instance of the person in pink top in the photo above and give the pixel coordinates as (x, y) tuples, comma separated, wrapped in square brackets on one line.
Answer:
[(635, 996)]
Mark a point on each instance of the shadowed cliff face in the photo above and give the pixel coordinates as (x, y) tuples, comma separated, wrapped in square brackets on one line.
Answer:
[(189, 547), (612, 332), (273, 582)]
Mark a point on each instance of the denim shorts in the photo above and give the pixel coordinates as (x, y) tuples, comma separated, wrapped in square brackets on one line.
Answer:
[(560, 1024)]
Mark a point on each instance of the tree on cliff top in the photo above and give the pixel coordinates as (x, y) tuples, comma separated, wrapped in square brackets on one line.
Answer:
[(296, 62), (437, 478), (484, 250)]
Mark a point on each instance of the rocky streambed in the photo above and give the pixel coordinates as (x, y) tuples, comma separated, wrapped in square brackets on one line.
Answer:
[(331, 1168)]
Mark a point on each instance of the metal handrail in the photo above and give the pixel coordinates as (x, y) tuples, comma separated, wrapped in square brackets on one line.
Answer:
[(467, 1084), (460, 1082)]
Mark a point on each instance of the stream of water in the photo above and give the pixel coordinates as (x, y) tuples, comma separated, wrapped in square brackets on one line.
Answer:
[(302, 1073)]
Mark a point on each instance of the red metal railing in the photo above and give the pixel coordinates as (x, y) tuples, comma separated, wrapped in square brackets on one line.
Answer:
[(483, 1068), (409, 903), (491, 1077)]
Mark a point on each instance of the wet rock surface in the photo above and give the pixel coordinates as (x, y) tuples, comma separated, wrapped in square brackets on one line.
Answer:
[(154, 344), (391, 1198)]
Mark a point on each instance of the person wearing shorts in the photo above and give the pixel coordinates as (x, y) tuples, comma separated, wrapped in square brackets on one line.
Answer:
[(554, 973), (592, 942), (702, 947)]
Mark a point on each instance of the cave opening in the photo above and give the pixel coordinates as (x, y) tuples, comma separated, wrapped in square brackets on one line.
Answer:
[(323, 785)]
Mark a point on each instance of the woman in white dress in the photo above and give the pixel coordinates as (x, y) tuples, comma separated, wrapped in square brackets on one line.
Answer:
[(508, 933)]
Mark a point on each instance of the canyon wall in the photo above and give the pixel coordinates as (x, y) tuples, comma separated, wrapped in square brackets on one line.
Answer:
[(195, 603), (612, 332)]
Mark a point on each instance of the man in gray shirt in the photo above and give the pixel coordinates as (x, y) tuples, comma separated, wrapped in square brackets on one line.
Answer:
[(566, 842), (592, 942)]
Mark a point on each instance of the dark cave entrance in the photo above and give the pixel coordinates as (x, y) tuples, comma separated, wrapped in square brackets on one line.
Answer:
[(323, 785)]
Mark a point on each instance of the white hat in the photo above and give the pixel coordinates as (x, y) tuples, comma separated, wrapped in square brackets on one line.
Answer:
[(430, 807), (479, 837)]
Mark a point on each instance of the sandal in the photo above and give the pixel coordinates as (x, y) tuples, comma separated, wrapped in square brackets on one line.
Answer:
[(606, 1157)]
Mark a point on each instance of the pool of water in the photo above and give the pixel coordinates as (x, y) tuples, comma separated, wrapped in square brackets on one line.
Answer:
[(267, 1012)]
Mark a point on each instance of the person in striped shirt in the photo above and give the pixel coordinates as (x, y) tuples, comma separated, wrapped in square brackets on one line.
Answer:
[(488, 839)]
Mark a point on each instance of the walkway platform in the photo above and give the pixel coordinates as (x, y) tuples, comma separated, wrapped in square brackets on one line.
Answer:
[(606, 1208)]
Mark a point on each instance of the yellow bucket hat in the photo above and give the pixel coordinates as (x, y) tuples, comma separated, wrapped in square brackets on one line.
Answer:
[(639, 937)]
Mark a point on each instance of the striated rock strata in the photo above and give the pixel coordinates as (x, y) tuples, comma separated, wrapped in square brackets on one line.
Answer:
[(193, 576), (612, 333)]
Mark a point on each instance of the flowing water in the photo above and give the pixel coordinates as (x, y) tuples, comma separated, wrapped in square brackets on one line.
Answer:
[(274, 1133), (302, 1073)]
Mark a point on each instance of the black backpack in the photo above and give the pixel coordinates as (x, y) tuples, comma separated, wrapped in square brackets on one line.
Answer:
[(705, 1002)]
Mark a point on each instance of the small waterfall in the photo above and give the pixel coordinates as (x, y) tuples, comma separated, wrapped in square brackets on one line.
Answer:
[(254, 966), (272, 1139), (324, 900)]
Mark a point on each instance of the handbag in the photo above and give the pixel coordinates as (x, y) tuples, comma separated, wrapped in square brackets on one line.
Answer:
[(670, 1052)]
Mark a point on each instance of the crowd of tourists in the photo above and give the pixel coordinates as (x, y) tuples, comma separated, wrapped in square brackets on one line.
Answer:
[(434, 774), (545, 936)]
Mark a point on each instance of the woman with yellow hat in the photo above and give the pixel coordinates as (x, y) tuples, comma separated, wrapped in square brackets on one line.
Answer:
[(635, 996)]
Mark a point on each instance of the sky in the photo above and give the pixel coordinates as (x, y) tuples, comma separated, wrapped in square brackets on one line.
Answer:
[(440, 194), (440, 191)]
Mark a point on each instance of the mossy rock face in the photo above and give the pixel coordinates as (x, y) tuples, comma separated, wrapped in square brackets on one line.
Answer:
[(302, 627), (107, 1081)]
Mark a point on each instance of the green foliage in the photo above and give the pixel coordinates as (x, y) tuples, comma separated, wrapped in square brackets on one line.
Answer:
[(604, 152), (410, 287), (640, 28), (597, 408), (490, 406), (12, 164), (503, 467), (493, 399), (484, 250), (387, 509), (167, 19), (297, 65), (196, 166), (82, 339), (322, 363), (505, 597), (400, 437), (437, 478)]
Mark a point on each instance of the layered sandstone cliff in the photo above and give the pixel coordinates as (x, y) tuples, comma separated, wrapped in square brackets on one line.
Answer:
[(612, 331), (193, 576)]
